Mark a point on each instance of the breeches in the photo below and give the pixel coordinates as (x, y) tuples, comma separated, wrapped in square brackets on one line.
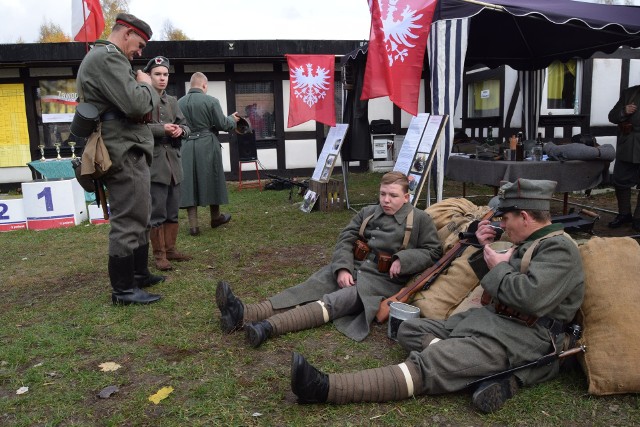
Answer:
[(165, 203), (452, 363), (130, 205), (343, 302)]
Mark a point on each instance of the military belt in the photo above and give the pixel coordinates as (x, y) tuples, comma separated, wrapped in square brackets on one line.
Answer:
[(555, 326), (111, 115)]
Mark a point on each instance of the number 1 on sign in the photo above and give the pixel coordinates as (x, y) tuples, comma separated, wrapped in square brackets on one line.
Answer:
[(48, 200)]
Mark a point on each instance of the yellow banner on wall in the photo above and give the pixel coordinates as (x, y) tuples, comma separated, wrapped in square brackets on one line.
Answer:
[(14, 134)]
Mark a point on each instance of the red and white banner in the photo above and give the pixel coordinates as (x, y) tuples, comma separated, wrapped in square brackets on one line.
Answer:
[(397, 44), (311, 89), (87, 21)]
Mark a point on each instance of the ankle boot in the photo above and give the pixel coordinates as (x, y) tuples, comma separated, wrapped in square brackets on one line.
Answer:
[(170, 237), (491, 395), (300, 318), (158, 242), (142, 276), (122, 281), (384, 384), (623, 197), (231, 308), (217, 218)]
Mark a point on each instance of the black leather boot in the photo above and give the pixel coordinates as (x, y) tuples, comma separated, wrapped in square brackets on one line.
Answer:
[(231, 308), (620, 220), (122, 281), (143, 277), (308, 383), (258, 332), (491, 395)]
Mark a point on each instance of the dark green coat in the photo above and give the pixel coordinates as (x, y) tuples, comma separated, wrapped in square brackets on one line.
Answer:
[(106, 80), (204, 182), (167, 163), (383, 233), (628, 146)]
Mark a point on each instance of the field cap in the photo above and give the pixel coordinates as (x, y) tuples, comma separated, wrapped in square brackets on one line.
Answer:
[(138, 25), (525, 194), (158, 61)]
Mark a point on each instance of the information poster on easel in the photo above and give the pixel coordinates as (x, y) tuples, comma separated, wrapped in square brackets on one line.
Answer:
[(326, 162), (416, 158)]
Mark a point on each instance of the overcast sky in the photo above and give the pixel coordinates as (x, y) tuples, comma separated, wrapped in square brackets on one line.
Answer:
[(208, 19)]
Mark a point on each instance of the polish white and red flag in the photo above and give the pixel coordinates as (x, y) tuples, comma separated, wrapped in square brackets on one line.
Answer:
[(312, 91), (397, 44), (87, 20)]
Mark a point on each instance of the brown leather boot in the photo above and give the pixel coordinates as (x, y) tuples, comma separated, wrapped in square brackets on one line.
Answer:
[(159, 255), (170, 237)]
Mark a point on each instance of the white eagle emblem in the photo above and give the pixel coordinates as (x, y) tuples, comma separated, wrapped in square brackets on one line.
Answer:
[(398, 34), (311, 88)]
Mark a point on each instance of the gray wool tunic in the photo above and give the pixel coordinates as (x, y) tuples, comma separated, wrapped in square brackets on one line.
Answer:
[(383, 233)]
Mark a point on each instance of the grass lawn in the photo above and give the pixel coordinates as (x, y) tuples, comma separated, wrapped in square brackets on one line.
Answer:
[(57, 325)]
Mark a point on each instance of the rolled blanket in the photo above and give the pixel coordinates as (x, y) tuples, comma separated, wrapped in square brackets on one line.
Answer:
[(575, 151)]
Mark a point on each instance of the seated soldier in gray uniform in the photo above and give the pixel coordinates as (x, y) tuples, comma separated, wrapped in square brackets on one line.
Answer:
[(376, 254), (534, 289)]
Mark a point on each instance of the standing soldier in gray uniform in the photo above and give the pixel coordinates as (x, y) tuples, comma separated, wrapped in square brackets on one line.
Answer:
[(626, 171), (204, 182), (124, 99), (375, 256), (169, 128), (534, 289)]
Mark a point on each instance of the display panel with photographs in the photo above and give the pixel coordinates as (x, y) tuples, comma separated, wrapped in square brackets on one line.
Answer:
[(330, 152)]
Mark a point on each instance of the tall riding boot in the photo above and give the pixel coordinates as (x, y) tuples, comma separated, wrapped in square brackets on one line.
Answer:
[(384, 384), (192, 216), (623, 196), (217, 218), (125, 291), (170, 237), (299, 318), (234, 314), (142, 275), (158, 242)]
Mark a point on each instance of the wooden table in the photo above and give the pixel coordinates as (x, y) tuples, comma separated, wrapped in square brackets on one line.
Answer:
[(571, 175)]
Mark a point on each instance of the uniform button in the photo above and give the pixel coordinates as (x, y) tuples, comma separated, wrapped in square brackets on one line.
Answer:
[(373, 238)]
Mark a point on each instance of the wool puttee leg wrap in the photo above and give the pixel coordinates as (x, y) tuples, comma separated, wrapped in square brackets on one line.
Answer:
[(299, 318)]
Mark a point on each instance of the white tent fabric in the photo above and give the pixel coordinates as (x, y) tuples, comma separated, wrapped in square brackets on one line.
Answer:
[(446, 49)]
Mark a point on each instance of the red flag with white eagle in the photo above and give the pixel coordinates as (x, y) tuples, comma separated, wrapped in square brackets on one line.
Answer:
[(87, 20), (397, 44), (311, 89)]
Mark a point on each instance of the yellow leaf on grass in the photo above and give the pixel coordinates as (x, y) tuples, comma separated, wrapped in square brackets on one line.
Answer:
[(161, 394), (109, 366)]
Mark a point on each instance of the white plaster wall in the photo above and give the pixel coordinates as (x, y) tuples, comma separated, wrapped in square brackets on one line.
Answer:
[(381, 108), (300, 153), (605, 89), (306, 126), (634, 72)]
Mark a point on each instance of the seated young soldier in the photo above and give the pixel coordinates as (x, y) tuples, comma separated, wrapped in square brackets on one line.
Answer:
[(376, 254), (534, 288)]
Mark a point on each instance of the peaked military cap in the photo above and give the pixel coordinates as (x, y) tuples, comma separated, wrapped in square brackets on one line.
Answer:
[(525, 194), (158, 61), (138, 25)]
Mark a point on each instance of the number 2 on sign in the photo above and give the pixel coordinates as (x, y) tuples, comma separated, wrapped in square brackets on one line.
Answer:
[(48, 200), (3, 210)]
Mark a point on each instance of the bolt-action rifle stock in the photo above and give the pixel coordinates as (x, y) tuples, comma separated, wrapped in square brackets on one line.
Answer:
[(427, 277)]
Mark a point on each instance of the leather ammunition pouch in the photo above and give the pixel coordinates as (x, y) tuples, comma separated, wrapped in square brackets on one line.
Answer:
[(384, 262), (625, 127), (360, 250)]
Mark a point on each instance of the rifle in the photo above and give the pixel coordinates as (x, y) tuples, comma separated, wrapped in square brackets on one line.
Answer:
[(427, 277), (543, 361)]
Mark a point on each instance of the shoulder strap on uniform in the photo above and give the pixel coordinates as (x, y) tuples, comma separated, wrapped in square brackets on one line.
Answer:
[(526, 258), (407, 230), (363, 226)]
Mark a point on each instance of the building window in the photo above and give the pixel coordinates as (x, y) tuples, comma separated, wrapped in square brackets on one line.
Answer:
[(255, 101), (484, 98), (56, 102), (561, 92)]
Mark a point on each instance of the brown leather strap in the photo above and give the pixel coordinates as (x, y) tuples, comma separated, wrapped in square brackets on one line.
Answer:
[(526, 258), (407, 230), (363, 226)]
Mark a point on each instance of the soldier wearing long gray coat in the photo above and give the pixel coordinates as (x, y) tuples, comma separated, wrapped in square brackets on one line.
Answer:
[(383, 233), (204, 182), (626, 170)]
